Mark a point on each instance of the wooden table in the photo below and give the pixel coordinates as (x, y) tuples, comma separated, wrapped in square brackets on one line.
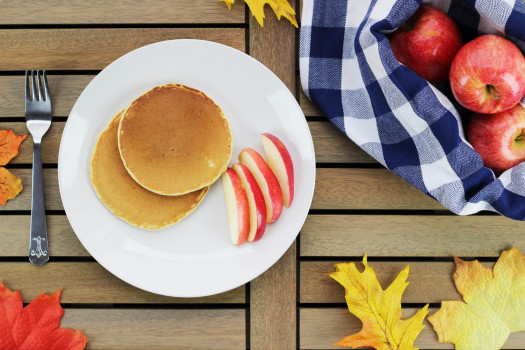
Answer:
[(359, 207)]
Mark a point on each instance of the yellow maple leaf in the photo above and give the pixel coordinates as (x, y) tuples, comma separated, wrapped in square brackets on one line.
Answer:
[(280, 7), (494, 304), (10, 185), (380, 311)]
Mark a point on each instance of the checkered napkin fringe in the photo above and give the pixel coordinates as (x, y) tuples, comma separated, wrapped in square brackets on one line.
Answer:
[(349, 71)]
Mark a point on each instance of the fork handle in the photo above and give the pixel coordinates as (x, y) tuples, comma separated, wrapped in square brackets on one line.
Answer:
[(38, 243)]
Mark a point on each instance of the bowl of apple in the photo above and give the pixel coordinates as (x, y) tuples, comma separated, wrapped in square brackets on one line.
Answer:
[(486, 76), (435, 92)]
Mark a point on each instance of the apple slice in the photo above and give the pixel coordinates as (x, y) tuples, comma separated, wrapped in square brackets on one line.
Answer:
[(255, 202), (236, 207), (267, 182), (280, 161)]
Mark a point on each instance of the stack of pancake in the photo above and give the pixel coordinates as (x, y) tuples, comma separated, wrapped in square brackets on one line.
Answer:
[(155, 161)]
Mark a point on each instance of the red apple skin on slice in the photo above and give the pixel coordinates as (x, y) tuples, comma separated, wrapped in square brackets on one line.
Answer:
[(236, 206), (255, 202), (280, 161), (267, 182)]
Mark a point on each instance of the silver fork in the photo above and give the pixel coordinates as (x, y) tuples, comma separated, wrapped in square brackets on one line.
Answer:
[(38, 120)]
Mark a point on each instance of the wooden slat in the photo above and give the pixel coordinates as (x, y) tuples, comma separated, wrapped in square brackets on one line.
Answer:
[(88, 282), (309, 109), (51, 191), (332, 146), (367, 189), (273, 305), (429, 282), (273, 294), (64, 89), (334, 235), (50, 142), (118, 11), (421, 235), (320, 328), (93, 48), (335, 189), (14, 230), (159, 329)]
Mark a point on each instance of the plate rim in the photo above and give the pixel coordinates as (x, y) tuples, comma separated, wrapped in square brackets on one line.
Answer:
[(300, 220)]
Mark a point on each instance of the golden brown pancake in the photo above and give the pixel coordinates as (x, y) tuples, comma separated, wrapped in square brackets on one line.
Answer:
[(127, 199), (174, 140)]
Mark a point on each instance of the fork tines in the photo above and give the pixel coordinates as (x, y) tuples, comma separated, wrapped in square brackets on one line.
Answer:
[(40, 94)]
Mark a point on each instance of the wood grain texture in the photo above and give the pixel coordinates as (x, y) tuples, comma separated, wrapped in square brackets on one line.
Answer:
[(50, 143), (410, 235), (159, 329), (89, 282), (273, 305), (273, 294), (93, 48), (65, 89), (335, 235), (335, 189), (331, 146), (51, 191), (309, 109), (429, 282), (274, 46), (321, 327), (367, 189), (14, 233), (119, 11)]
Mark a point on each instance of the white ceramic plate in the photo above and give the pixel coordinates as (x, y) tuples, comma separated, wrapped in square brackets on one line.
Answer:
[(194, 257)]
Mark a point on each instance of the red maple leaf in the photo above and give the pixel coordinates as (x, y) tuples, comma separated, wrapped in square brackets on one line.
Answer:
[(36, 326)]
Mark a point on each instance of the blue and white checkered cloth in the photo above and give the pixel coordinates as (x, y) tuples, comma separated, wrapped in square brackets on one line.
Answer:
[(349, 71)]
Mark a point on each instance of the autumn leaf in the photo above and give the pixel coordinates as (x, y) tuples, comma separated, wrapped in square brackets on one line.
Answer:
[(10, 185), (9, 144), (380, 311), (37, 325), (280, 7), (493, 307)]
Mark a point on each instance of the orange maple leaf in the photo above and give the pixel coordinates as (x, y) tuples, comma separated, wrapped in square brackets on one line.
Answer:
[(35, 326), (9, 144), (10, 185)]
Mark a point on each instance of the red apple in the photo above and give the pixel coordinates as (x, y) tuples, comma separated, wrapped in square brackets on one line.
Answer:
[(267, 182), (488, 75), (427, 42), (499, 138), (280, 161), (236, 206), (255, 202)]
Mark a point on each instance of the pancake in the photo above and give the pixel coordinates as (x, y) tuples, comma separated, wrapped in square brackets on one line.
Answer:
[(174, 140), (127, 199)]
